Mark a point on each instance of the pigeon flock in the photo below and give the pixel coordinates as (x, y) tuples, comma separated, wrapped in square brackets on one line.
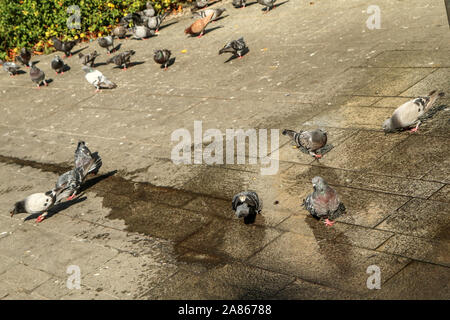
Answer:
[(323, 203)]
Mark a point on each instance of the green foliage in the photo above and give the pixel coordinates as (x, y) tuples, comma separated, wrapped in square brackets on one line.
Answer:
[(31, 23)]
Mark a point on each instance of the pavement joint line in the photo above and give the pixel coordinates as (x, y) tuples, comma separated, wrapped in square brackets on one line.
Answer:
[(381, 244)]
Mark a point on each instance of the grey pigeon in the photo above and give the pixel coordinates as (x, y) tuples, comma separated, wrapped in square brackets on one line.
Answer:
[(37, 75), (239, 3), (24, 57), (58, 65), (199, 4), (120, 31), (122, 59), (408, 113), (154, 23), (97, 79), (106, 42), (246, 205), (324, 202), (142, 32), (269, 4), (86, 160), (37, 203), (88, 60), (135, 18), (204, 13), (149, 11), (70, 181), (162, 57), (236, 47), (85, 163), (10, 67), (309, 140), (65, 46)]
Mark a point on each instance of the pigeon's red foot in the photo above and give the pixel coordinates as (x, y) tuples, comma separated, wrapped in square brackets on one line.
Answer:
[(41, 217), (414, 129), (71, 197), (318, 156), (329, 223)]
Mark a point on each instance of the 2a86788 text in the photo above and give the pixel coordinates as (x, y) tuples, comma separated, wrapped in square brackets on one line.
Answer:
[(246, 309)]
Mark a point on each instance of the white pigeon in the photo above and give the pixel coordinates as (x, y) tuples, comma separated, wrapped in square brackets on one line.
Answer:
[(37, 203), (97, 79), (408, 113)]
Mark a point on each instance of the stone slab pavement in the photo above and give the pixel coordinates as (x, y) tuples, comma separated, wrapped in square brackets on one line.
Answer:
[(145, 228)]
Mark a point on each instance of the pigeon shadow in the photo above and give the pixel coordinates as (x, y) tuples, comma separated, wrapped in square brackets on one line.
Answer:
[(36, 62), (20, 72), (235, 56), (274, 7), (57, 208), (50, 80), (66, 68), (98, 64), (211, 29), (167, 24), (220, 18), (79, 50), (171, 62), (116, 48), (92, 182), (130, 65)]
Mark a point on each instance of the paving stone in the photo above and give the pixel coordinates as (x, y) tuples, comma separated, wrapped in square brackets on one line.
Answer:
[(230, 239), (420, 218), (325, 262), (418, 280), (433, 251)]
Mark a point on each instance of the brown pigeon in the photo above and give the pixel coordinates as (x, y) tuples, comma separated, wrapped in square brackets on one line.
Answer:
[(199, 26), (324, 202)]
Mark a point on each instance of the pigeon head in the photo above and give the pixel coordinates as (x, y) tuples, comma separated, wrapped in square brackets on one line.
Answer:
[(387, 125), (242, 210), (19, 207), (319, 184)]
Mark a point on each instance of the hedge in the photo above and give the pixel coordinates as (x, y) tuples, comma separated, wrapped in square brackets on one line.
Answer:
[(31, 23)]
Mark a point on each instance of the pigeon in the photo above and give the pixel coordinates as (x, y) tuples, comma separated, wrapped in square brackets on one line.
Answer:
[(97, 79), (122, 59), (57, 65), (236, 47), (149, 11), (142, 32), (324, 202), (204, 13), (408, 113), (86, 160), (64, 46), (154, 23), (269, 4), (239, 3), (106, 42), (70, 181), (198, 27), (10, 67), (309, 140), (120, 31), (24, 57), (134, 17), (162, 57), (37, 75), (37, 203), (246, 205), (199, 4), (88, 60)]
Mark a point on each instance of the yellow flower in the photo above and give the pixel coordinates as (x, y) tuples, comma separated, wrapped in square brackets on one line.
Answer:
[(16, 49), (111, 5), (76, 37), (25, 12), (82, 35)]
